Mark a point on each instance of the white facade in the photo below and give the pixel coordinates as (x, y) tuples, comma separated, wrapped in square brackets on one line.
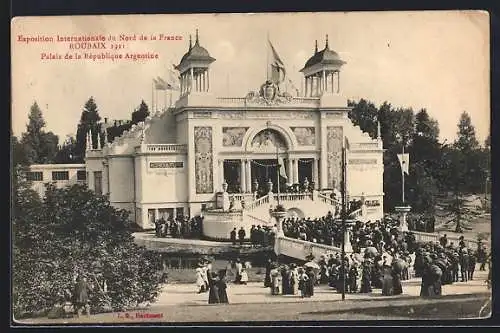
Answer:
[(175, 161), (61, 175)]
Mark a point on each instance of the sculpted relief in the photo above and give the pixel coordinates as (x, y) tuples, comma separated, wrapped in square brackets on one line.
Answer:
[(268, 140), (334, 155), (306, 136), (203, 159), (233, 136)]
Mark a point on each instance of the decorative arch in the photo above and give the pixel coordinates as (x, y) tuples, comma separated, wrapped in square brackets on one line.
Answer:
[(295, 212), (284, 133)]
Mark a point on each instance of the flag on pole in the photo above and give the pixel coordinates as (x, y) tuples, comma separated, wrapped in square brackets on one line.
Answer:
[(276, 67), (160, 84), (164, 84), (281, 163), (404, 161)]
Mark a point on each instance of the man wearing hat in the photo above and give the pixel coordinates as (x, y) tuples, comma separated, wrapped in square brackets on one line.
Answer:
[(464, 263)]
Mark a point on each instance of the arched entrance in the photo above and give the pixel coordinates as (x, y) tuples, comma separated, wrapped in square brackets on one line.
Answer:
[(269, 164)]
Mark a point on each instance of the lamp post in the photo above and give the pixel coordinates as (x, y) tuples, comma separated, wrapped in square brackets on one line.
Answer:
[(403, 209)]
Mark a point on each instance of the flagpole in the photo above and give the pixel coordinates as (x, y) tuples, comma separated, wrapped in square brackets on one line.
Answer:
[(403, 175), (267, 57), (278, 171), (344, 213)]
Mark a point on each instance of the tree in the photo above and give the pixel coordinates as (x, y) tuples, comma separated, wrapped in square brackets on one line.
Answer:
[(89, 122), (17, 151), (67, 152), (364, 114), (141, 113), (39, 146), (466, 135), (73, 231), (117, 130), (425, 154)]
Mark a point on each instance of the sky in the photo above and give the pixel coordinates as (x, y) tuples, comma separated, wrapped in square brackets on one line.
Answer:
[(438, 60)]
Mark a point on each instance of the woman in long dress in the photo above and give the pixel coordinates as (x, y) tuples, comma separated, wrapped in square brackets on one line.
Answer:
[(311, 281), (267, 280), (222, 286), (387, 282), (275, 281), (285, 290), (366, 278), (294, 279), (302, 282), (213, 289), (200, 282)]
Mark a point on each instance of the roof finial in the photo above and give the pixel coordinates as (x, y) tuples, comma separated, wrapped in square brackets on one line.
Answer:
[(190, 43), (196, 41), (316, 47), (326, 45)]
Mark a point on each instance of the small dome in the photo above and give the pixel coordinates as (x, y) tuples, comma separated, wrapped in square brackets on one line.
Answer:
[(196, 52), (324, 57)]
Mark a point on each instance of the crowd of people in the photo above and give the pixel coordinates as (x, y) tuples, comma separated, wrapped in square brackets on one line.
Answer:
[(179, 227), (382, 257), (259, 235)]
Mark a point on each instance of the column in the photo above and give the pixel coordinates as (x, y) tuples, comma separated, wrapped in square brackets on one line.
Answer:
[(192, 79), (296, 170), (338, 81), (243, 176), (311, 79), (289, 170), (249, 175), (315, 173), (323, 86), (332, 78), (305, 86), (157, 215), (325, 77), (208, 79), (204, 81), (221, 173)]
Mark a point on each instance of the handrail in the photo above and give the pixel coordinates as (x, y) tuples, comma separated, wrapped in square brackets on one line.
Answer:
[(294, 196), (358, 212), (258, 202), (261, 221), (328, 200)]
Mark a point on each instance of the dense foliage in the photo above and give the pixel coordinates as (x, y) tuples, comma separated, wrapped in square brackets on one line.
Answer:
[(73, 231), (36, 145), (435, 168)]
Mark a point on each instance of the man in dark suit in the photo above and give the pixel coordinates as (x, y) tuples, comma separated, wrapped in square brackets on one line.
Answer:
[(472, 265), (464, 264), (233, 236), (241, 235)]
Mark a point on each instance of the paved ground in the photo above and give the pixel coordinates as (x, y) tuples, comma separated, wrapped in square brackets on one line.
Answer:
[(253, 302)]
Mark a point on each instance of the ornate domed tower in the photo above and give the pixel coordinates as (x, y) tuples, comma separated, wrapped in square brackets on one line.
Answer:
[(322, 72), (194, 68)]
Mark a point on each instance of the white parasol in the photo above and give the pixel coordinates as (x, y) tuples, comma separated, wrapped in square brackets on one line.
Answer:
[(311, 264)]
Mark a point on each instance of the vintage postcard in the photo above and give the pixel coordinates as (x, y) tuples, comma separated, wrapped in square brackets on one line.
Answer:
[(206, 167)]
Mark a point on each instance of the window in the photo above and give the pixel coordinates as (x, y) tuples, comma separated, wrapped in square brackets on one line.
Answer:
[(98, 182), (60, 175), (81, 175), (35, 176)]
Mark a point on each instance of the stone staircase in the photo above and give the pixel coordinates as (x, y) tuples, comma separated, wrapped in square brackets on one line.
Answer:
[(312, 204)]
